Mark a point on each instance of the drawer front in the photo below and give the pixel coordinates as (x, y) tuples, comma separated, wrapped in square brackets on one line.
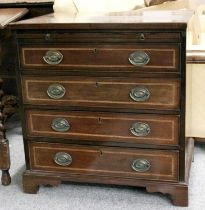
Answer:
[(110, 36), (104, 127), (104, 161), (158, 93), (144, 57)]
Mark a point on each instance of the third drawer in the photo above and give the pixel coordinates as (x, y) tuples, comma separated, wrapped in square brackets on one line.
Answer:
[(104, 127)]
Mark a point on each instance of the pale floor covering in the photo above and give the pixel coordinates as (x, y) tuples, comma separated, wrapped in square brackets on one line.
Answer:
[(92, 197)]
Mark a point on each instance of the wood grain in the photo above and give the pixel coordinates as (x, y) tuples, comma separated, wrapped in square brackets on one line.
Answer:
[(103, 92), (9, 15), (105, 161), (83, 56)]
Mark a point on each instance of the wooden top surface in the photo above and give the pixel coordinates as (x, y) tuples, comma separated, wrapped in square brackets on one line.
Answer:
[(170, 20), (9, 15)]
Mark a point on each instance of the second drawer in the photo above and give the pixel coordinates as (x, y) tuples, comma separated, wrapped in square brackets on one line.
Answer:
[(104, 127), (134, 93)]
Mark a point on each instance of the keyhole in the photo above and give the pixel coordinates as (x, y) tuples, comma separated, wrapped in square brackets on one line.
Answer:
[(95, 50), (142, 37), (48, 37), (99, 120)]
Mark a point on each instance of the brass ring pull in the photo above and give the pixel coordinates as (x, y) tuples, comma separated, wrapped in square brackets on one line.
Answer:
[(56, 91), (139, 94), (62, 159), (60, 125), (141, 165), (139, 58), (140, 129), (53, 57)]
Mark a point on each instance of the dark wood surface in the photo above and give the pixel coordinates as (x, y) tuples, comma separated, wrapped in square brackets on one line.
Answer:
[(104, 161), (102, 56), (35, 8), (103, 92), (4, 144), (98, 124), (201, 140), (11, 14), (7, 53), (7, 102), (104, 127), (7, 57), (51, 21)]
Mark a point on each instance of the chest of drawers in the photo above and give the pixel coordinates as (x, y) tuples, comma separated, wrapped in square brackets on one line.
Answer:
[(104, 103)]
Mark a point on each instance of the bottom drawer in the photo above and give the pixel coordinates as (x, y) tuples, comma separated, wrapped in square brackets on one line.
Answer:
[(104, 161)]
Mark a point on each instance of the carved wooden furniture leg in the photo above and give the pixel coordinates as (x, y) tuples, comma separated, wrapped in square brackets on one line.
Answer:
[(10, 106), (4, 146)]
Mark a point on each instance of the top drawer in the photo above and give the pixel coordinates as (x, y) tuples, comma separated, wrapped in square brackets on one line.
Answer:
[(102, 57)]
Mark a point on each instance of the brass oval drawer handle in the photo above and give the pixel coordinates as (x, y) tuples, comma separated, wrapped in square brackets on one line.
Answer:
[(139, 58), (140, 94), (60, 125), (56, 91), (141, 165), (63, 159), (53, 57), (140, 129)]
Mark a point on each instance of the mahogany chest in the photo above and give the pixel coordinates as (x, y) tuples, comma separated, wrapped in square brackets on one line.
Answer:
[(103, 101)]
